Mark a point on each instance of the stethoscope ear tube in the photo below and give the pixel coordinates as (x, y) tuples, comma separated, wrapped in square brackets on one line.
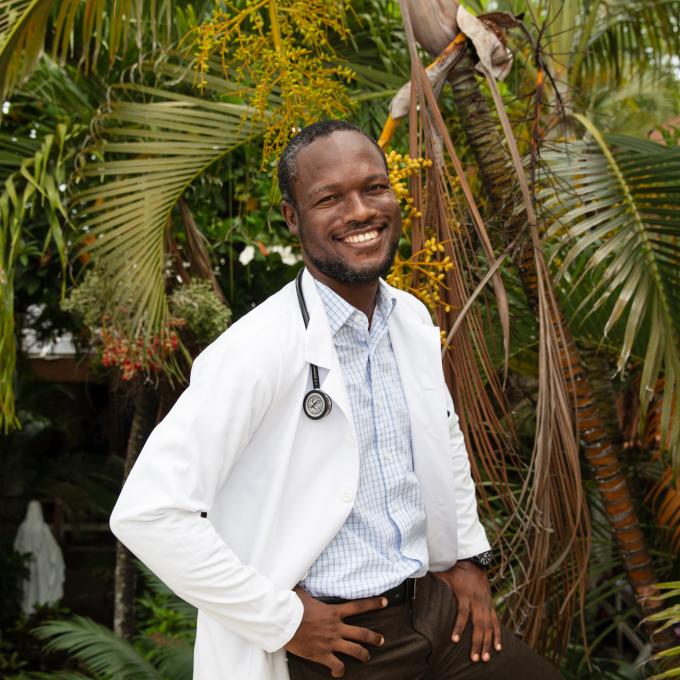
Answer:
[(316, 403)]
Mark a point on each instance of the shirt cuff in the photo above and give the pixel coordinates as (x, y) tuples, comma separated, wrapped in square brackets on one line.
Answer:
[(288, 631), (473, 550)]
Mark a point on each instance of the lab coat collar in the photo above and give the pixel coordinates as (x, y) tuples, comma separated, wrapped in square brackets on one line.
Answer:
[(415, 343)]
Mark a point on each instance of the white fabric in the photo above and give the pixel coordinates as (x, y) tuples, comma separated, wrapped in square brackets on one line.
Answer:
[(276, 485), (45, 583), (492, 53)]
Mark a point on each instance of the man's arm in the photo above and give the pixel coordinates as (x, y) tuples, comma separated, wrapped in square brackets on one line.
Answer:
[(468, 581), (181, 468), (471, 536)]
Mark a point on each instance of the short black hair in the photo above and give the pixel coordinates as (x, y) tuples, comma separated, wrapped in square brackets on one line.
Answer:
[(309, 134)]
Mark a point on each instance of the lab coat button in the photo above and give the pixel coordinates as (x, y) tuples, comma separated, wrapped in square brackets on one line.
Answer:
[(347, 496)]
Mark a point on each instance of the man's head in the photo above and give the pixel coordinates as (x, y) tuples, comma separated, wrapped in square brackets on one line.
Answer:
[(338, 199)]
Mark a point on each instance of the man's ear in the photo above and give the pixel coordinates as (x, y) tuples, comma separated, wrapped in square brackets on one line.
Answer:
[(290, 215)]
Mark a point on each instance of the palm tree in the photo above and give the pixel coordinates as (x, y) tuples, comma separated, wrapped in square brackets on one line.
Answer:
[(501, 183)]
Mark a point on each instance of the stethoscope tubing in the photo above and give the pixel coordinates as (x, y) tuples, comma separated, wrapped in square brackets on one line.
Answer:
[(316, 403)]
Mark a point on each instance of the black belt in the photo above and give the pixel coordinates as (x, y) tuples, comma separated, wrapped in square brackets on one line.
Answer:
[(400, 594)]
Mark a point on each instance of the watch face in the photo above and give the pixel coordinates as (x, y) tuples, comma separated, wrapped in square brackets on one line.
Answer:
[(484, 559)]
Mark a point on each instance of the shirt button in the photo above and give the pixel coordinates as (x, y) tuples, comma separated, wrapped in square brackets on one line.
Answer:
[(347, 496)]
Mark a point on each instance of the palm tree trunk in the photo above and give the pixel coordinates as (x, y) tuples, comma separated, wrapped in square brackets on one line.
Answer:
[(125, 574), (599, 446)]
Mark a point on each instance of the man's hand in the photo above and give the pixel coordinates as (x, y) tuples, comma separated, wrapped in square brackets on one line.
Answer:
[(470, 586), (322, 632)]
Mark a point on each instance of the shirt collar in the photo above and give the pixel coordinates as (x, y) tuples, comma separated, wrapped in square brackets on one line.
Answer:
[(339, 311)]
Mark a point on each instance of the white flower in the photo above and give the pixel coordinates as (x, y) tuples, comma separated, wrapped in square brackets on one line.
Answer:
[(247, 254), (287, 255)]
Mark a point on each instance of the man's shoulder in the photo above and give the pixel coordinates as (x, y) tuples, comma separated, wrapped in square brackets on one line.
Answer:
[(265, 328)]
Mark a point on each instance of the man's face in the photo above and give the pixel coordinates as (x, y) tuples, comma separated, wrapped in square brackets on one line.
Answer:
[(347, 216)]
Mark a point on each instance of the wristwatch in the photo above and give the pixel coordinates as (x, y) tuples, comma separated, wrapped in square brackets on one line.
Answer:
[(483, 560)]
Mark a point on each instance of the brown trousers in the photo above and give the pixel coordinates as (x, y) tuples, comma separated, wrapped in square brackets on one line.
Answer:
[(418, 646)]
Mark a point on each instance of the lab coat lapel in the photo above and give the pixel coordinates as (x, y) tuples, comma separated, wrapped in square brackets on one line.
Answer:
[(319, 349), (417, 351), (416, 348)]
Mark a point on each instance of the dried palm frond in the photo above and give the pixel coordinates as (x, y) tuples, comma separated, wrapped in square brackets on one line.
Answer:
[(545, 543)]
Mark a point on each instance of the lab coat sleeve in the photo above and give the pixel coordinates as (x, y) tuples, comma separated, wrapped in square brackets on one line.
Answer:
[(472, 538), (179, 471)]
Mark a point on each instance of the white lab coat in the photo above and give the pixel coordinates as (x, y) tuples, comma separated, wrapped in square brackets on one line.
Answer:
[(276, 485)]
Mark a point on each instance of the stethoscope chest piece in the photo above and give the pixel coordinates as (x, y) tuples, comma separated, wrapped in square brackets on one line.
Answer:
[(316, 404)]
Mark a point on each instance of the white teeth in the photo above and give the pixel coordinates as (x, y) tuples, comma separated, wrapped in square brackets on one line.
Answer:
[(360, 238)]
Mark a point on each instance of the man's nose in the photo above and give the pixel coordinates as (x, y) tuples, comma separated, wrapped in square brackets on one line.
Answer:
[(358, 208)]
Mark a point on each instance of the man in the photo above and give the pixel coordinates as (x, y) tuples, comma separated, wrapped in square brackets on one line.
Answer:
[(325, 524)]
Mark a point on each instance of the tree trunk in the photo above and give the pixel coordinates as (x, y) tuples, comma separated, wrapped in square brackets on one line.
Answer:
[(143, 421), (599, 446)]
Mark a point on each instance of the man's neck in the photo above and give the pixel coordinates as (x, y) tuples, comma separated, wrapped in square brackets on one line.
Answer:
[(362, 296)]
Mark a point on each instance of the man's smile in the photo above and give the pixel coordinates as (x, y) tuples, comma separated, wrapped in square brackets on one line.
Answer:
[(360, 237)]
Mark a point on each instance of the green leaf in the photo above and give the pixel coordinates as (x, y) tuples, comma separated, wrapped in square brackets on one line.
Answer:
[(614, 203), (152, 143), (98, 649)]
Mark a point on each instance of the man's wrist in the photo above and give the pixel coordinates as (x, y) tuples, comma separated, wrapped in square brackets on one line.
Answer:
[(483, 560)]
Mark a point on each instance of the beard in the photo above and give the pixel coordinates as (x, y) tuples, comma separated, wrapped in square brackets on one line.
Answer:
[(340, 270)]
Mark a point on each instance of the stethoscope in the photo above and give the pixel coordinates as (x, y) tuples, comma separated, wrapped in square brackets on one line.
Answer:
[(316, 403)]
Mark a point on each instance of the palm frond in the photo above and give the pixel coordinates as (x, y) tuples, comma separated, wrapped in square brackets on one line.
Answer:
[(56, 675), (621, 213), (150, 144), (13, 152), (98, 649), (31, 190), (23, 24), (174, 659), (627, 37), (93, 25)]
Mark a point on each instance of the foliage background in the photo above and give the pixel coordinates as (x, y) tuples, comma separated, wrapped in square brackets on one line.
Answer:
[(122, 158)]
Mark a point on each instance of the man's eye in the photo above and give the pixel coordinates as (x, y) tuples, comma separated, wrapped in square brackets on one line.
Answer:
[(328, 199), (378, 187)]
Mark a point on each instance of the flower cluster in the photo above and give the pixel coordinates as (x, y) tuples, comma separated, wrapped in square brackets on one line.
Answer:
[(401, 167), (136, 355), (280, 58), (423, 274)]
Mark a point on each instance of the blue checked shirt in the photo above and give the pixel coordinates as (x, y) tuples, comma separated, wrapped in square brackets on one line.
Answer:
[(383, 540)]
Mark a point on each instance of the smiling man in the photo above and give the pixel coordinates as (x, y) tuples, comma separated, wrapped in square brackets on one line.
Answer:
[(319, 438)]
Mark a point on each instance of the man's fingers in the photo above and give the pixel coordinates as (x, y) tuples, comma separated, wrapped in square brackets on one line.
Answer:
[(361, 635), (353, 649), (336, 666), (498, 645), (461, 620), (478, 629), (488, 638), (367, 604)]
